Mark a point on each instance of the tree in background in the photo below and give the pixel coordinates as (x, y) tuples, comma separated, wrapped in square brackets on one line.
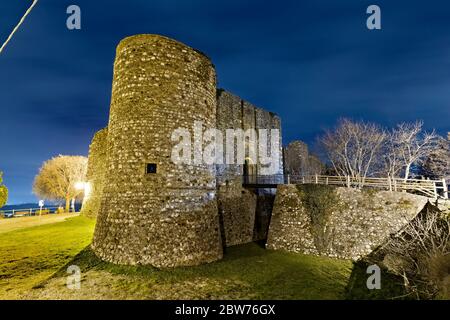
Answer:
[(354, 148), (391, 164), (360, 149), (3, 191), (437, 164), (58, 177), (412, 145)]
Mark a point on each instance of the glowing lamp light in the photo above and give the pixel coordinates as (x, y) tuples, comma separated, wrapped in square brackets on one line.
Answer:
[(80, 185), (87, 190), (85, 186)]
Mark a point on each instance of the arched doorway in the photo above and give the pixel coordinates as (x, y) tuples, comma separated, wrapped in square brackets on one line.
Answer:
[(250, 171)]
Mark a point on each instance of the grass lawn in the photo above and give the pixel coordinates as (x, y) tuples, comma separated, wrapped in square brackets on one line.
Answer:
[(246, 272), (33, 264), (9, 224), (31, 255)]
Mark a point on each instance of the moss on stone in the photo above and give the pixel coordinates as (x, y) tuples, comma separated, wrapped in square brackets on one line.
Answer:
[(404, 203), (338, 222), (320, 201)]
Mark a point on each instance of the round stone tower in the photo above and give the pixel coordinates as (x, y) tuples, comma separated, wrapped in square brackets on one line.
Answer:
[(152, 210), (95, 174)]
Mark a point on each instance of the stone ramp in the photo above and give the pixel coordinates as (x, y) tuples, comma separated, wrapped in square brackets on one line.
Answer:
[(338, 222)]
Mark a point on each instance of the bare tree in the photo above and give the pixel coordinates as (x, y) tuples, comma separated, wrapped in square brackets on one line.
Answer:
[(58, 177), (354, 148), (437, 164), (412, 144), (419, 254), (391, 165)]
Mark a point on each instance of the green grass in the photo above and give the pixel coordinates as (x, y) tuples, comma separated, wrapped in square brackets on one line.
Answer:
[(33, 264), (30, 255), (247, 272), (391, 285)]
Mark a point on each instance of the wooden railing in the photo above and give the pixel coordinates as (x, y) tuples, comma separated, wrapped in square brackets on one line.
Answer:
[(429, 188), (27, 212)]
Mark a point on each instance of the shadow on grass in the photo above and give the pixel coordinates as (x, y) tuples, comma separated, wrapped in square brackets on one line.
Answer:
[(87, 260), (260, 274), (249, 250), (391, 285)]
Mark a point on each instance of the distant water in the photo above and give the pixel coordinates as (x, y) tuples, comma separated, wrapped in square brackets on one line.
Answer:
[(34, 205)]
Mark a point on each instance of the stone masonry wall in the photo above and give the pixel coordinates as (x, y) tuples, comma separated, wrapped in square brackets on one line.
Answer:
[(95, 174), (298, 161), (338, 222), (238, 206), (235, 113), (229, 116), (264, 207), (168, 218), (181, 214)]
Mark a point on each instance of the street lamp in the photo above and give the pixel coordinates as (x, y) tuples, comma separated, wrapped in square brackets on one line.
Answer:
[(85, 187), (80, 185)]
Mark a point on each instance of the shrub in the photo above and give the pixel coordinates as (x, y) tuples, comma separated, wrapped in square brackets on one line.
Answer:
[(43, 211), (420, 255), (438, 273), (60, 210)]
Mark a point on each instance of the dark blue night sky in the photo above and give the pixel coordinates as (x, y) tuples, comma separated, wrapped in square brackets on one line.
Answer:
[(309, 61)]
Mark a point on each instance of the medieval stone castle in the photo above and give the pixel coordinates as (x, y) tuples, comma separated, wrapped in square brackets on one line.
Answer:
[(153, 211), (150, 210)]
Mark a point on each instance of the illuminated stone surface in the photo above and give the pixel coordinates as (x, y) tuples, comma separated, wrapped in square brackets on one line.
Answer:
[(179, 215)]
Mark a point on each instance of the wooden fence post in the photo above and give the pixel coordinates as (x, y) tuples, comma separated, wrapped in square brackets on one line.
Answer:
[(288, 179), (390, 183), (326, 181), (435, 190), (317, 179), (444, 183), (348, 181)]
